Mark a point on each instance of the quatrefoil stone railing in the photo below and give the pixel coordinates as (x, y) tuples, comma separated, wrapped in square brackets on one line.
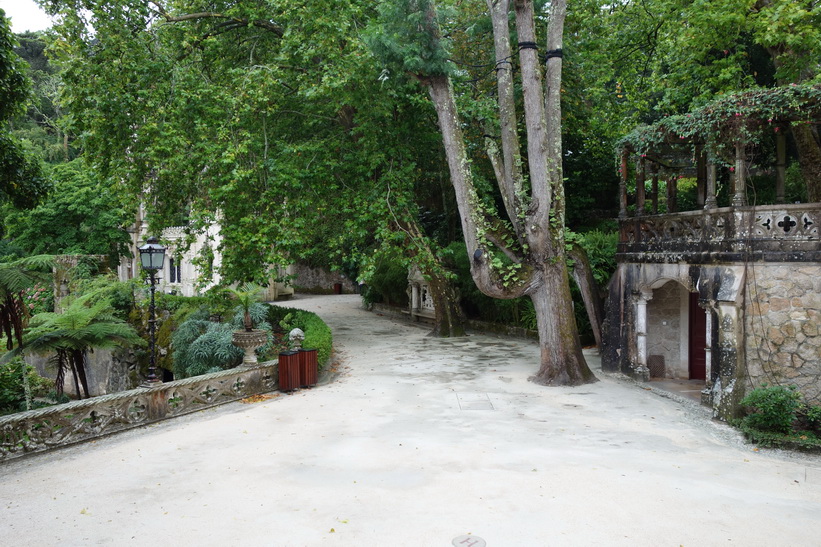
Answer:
[(77, 421)]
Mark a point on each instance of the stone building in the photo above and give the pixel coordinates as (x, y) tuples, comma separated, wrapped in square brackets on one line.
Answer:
[(181, 271), (726, 297)]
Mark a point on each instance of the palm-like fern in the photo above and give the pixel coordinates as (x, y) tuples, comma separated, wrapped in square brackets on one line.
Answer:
[(84, 325), (15, 277), (246, 296)]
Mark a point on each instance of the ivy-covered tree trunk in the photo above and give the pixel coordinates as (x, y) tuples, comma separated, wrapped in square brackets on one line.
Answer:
[(531, 238), (449, 321)]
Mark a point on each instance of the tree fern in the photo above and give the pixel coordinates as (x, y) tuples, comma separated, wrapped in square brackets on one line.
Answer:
[(83, 325)]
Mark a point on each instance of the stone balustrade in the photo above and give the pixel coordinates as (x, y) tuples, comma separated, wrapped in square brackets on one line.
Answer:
[(77, 421), (775, 233)]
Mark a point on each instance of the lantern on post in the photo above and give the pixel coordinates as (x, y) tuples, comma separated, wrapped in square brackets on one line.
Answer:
[(152, 256)]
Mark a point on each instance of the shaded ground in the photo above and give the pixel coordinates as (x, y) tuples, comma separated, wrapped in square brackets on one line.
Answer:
[(418, 441)]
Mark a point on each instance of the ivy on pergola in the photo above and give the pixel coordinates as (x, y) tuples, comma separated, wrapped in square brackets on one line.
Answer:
[(735, 117), (719, 133)]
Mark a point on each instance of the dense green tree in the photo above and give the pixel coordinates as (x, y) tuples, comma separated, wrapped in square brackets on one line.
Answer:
[(81, 216), (21, 178), (42, 125), (264, 115), (664, 57)]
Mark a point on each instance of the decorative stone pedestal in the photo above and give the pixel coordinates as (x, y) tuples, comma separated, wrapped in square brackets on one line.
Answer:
[(249, 341)]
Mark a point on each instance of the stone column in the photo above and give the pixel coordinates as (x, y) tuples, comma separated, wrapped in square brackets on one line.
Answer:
[(740, 196), (710, 202), (414, 298), (623, 185), (654, 191), (640, 168), (641, 370), (780, 166)]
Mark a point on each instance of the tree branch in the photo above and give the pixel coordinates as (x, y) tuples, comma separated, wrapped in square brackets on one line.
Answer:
[(239, 21)]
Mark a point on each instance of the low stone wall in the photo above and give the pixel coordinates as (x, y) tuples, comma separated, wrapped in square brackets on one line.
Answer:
[(783, 326), (78, 421)]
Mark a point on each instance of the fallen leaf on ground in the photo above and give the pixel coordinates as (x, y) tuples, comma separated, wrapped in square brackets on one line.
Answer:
[(259, 398)]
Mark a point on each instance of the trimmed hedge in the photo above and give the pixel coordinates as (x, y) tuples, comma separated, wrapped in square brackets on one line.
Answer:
[(317, 334)]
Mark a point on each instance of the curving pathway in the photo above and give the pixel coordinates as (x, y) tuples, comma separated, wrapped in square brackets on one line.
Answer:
[(419, 441)]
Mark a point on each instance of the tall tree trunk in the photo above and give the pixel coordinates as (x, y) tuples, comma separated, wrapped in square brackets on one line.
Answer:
[(450, 320), (561, 351), (583, 276)]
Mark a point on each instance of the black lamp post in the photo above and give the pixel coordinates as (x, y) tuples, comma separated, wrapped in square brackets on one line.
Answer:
[(152, 256)]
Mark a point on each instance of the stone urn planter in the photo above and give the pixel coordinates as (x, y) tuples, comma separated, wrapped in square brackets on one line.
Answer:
[(249, 341)]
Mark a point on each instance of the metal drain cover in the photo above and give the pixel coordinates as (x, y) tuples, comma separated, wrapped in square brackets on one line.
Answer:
[(469, 541)]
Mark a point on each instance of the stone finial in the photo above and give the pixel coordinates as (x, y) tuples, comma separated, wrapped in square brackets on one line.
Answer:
[(296, 337)]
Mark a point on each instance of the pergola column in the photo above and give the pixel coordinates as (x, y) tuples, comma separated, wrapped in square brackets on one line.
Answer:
[(701, 175), (780, 165), (654, 189), (623, 185), (672, 194), (711, 202), (740, 195), (640, 170)]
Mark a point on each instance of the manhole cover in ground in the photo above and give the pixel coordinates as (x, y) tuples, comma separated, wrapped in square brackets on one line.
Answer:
[(469, 541)]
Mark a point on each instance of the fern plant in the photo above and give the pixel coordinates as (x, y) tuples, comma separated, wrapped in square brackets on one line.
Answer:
[(84, 325)]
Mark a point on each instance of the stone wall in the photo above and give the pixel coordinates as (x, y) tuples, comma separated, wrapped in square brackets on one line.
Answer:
[(107, 371), (783, 326), (320, 280)]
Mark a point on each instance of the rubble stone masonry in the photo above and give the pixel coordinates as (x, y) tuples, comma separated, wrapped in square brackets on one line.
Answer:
[(783, 326)]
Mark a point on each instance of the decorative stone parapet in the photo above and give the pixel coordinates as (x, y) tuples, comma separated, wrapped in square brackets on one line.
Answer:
[(775, 233), (78, 421)]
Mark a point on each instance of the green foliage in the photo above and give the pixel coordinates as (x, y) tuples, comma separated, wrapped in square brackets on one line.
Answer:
[(600, 247), (16, 277), (247, 295), (21, 178), (721, 122), (408, 39), (772, 408), (317, 334), (82, 215), (86, 323), (387, 279), (202, 346), (18, 391)]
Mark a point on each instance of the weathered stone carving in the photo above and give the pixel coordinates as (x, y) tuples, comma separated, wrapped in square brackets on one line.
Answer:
[(77, 421)]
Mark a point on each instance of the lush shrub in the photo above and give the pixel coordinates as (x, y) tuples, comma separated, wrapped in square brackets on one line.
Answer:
[(388, 282), (13, 386), (772, 408), (202, 345), (39, 298), (317, 334)]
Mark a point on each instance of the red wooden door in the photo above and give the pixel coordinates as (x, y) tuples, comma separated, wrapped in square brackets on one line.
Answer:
[(698, 339)]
